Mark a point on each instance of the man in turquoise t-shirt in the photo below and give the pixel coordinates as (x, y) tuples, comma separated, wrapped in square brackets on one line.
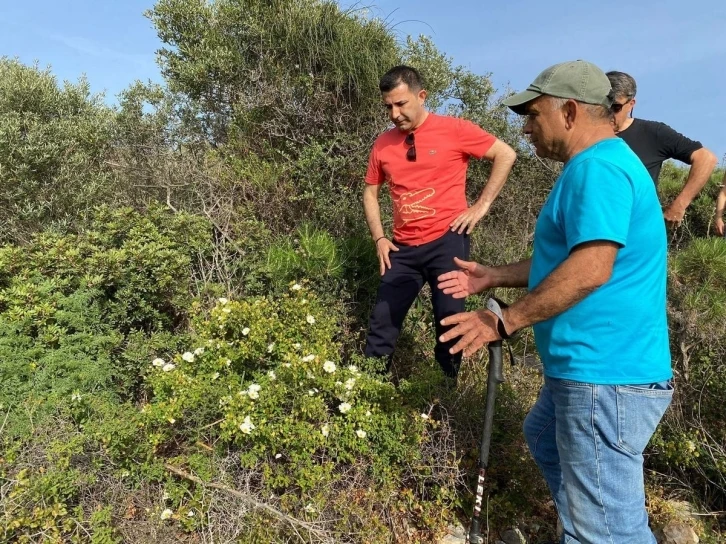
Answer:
[(597, 301)]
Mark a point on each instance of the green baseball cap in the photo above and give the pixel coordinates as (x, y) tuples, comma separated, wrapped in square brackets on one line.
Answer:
[(578, 79)]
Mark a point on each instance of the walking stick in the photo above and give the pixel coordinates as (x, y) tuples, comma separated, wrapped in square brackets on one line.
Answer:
[(495, 376)]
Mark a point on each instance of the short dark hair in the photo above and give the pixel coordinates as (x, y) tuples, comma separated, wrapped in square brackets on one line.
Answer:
[(401, 74), (623, 84)]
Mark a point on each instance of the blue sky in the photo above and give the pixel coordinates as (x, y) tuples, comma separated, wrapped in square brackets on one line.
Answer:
[(676, 50)]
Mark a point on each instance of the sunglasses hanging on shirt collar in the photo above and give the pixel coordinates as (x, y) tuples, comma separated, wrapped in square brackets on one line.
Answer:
[(411, 153)]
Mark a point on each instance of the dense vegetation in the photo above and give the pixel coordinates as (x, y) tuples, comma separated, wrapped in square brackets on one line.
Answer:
[(185, 281)]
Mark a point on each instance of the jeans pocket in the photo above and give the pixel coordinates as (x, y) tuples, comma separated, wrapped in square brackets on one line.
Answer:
[(640, 409)]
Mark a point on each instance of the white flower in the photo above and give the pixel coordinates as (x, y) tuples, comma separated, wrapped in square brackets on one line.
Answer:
[(228, 362), (188, 356), (361, 433), (329, 367), (353, 369), (158, 362), (309, 508), (270, 347), (278, 455), (168, 367), (190, 514), (254, 391), (172, 420), (297, 345), (227, 310), (308, 358), (286, 365), (166, 514), (125, 474), (310, 319), (76, 396), (166, 496), (368, 413), (246, 426), (424, 416), (296, 287), (198, 351), (311, 392), (349, 383), (215, 375), (344, 407), (325, 430), (245, 331), (271, 374), (222, 300)]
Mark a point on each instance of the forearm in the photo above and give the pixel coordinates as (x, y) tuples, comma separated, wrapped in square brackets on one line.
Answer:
[(721, 199), (721, 202), (373, 213), (703, 163), (511, 275), (501, 167), (579, 275)]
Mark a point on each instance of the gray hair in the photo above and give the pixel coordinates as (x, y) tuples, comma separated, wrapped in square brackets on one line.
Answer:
[(594, 111), (623, 84)]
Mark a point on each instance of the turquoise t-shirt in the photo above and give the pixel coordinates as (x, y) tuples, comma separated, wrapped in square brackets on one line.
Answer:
[(618, 334)]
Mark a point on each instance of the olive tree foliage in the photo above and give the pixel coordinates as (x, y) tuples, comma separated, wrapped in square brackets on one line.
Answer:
[(53, 144), (273, 74), (272, 108)]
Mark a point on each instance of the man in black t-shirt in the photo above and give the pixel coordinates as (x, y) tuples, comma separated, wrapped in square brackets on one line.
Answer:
[(655, 142)]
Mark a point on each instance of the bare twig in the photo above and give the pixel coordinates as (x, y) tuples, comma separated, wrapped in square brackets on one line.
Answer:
[(251, 501)]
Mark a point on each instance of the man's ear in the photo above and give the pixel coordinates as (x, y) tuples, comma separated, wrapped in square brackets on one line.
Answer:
[(570, 110), (422, 94)]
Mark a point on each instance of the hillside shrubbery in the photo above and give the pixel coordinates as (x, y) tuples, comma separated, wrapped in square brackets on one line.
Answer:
[(184, 292)]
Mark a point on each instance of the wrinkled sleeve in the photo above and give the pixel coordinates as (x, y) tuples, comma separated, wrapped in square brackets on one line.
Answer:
[(374, 174), (596, 204), (473, 140)]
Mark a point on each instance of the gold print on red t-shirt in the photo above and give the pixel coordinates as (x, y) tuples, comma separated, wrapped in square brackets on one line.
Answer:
[(409, 205)]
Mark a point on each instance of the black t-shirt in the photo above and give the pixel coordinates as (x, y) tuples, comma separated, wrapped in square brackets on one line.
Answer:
[(655, 142)]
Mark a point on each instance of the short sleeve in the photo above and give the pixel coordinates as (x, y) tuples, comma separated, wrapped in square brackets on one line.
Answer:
[(473, 140), (596, 204), (675, 145), (374, 174)]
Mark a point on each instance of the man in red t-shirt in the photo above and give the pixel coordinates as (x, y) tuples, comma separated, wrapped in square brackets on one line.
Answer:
[(423, 159)]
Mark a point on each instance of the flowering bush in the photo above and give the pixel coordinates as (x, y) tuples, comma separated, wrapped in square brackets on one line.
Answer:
[(269, 373)]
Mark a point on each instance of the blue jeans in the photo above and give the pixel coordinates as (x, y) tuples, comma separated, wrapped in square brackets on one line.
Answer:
[(588, 441)]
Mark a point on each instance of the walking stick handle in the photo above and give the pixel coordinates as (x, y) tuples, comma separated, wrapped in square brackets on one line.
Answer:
[(496, 371)]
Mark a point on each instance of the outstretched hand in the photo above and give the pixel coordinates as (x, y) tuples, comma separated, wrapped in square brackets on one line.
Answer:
[(476, 329), (471, 278)]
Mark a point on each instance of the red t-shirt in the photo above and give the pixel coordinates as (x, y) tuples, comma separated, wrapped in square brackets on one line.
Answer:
[(427, 193)]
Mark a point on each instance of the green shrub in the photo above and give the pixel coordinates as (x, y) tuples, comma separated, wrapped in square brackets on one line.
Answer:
[(53, 142), (269, 373)]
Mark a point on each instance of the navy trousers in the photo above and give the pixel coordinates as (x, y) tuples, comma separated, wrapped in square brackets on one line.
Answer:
[(411, 266)]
